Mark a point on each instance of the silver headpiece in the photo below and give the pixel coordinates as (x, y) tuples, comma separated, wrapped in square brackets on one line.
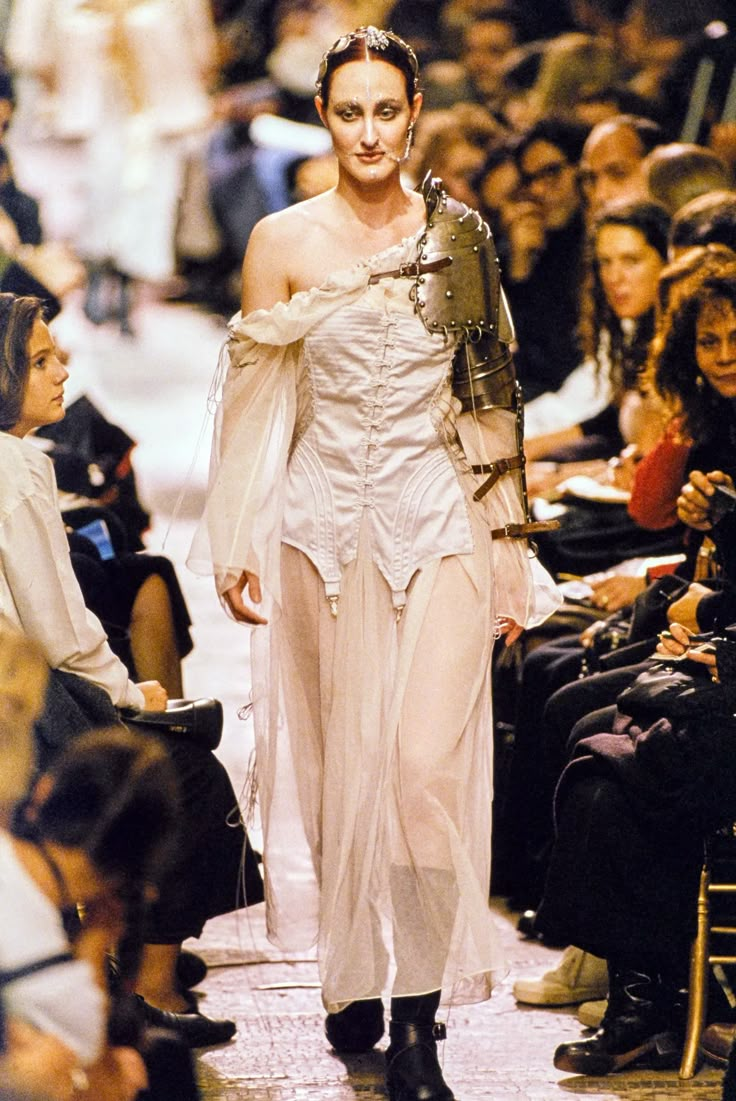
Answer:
[(374, 39)]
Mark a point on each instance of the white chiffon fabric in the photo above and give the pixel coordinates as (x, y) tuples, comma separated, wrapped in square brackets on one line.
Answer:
[(373, 733)]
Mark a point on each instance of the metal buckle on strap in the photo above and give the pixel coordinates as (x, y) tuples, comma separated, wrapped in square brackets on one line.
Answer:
[(439, 1031), (523, 531), (411, 270), (495, 471)]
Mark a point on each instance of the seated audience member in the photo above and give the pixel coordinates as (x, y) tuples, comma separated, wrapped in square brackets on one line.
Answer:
[(486, 41), (93, 835), (706, 220), (632, 811), (628, 249), (39, 592), (33, 1063), (612, 164), (545, 303), (453, 148), (571, 64), (663, 44), (20, 207), (605, 104), (694, 345), (552, 694), (136, 596), (679, 172)]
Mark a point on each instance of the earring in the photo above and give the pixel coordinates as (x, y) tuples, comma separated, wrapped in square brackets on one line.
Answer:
[(409, 141), (699, 381)]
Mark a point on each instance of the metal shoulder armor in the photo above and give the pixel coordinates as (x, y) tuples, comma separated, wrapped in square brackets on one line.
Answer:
[(458, 290)]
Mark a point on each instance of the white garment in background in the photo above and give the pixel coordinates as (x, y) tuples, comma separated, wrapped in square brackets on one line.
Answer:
[(38, 589), (63, 1000), (374, 732), (140, 117), (585, 392)]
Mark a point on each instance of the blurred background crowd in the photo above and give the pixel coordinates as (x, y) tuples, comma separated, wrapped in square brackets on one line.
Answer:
[(194, 118)]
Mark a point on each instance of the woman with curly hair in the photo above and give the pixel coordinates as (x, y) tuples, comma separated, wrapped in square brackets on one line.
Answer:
[(626, 251)]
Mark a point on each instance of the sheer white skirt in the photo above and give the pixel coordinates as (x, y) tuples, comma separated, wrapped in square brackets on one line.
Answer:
[(379, 820)]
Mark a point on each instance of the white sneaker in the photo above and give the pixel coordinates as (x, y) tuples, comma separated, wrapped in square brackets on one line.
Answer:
[(579, 977), (590, 1014)]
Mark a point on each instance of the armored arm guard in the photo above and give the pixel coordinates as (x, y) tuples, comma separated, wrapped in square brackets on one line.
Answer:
[(458, 290)]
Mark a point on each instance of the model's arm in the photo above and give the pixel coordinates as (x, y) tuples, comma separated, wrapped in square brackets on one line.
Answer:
[(265, 272), (265, 282)]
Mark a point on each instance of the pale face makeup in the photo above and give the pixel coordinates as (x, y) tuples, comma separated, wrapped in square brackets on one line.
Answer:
[(368, 116)]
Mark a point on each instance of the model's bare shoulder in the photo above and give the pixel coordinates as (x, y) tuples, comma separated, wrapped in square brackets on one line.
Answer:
[(273, 268)]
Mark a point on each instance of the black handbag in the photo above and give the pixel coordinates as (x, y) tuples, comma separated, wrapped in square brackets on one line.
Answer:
[(682, 691), (200, 719), (629, 636)]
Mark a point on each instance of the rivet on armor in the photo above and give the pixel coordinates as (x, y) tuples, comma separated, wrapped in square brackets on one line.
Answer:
[(448, 294), (421, 279), (420, 303), (453, 236), (475, 248), (424, 256)]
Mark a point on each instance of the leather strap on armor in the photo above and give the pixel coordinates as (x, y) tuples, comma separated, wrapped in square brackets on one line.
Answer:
[(495, 470), (523, 531), (411, 271)]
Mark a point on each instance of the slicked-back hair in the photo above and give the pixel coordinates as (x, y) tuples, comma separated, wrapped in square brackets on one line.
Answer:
[(364, 43)]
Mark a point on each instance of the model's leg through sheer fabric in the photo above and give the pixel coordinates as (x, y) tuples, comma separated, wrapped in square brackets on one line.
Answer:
[(390, 740)]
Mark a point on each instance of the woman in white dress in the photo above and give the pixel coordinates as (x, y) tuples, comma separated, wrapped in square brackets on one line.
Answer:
[(342, 524)]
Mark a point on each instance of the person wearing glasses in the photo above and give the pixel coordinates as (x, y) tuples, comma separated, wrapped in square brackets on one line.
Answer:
[(345, 523), (545, 304)]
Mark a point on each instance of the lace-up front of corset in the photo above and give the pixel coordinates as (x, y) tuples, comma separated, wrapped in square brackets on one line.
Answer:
[(373, 454)]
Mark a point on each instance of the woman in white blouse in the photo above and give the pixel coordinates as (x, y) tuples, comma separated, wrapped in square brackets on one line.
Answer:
[(38, 589), (40, 594)]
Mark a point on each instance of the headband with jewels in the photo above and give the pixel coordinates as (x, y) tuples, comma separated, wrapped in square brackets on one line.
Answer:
[(374, 39)]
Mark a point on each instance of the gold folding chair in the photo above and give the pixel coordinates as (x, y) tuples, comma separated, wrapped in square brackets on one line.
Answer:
[(701, 959)]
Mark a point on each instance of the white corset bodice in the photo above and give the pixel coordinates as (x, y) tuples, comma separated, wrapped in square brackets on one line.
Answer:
[(374, 450)]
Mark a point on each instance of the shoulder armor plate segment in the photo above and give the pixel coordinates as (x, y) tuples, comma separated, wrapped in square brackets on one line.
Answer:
[(465, 295)]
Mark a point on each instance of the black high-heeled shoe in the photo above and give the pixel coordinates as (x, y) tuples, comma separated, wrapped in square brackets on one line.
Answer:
[(356, 1028)]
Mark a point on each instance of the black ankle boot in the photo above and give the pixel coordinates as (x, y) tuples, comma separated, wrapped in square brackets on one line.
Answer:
[(412, 1069), (356, 1028), (637, 1027)]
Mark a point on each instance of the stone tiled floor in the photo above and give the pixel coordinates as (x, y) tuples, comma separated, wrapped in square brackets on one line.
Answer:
[(155, 385)]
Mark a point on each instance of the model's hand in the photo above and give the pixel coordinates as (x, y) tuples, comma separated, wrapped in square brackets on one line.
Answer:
[(509, 629), (685, 610), (155, 696), (696, 498), (247, 582)]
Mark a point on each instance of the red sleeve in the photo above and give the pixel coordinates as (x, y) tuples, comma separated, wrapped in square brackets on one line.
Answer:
[(658, 479)]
